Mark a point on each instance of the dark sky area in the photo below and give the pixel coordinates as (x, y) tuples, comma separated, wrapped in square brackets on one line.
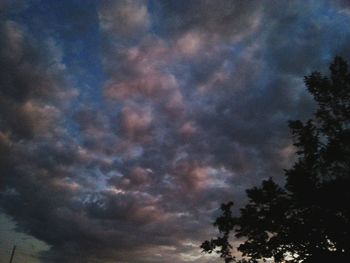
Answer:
[(125, 124)]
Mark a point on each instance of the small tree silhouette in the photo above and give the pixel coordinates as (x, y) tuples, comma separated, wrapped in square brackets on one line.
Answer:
[(307, 220)]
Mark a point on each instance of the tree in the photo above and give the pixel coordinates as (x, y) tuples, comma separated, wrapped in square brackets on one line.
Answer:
[(307, 220)]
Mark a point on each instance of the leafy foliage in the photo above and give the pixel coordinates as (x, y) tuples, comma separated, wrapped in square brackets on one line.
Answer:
[(307, 220)]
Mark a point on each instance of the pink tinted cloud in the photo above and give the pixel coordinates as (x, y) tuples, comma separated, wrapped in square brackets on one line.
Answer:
[(189, 44), (139, 175), (191, 176), (136, 122), (187, 129), (126, 18), (137, 178), (145, 74)]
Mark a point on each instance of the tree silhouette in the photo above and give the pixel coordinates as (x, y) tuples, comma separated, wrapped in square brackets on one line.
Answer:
[(307, 220)]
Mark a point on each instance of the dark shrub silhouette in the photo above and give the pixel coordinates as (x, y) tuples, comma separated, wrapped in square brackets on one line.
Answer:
[(307, 220)]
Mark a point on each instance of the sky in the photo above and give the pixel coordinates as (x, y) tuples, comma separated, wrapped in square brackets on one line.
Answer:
[(125, 124)]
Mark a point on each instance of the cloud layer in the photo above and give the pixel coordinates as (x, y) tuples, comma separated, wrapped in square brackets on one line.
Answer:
[(190, 109)]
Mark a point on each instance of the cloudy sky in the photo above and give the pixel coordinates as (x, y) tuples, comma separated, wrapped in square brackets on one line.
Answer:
[(125, 124)]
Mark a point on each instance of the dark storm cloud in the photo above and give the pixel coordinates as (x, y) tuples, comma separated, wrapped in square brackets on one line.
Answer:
[(126, 18), (195, 106), (26, 85), (34, 156), (221, 19), (11, 6)]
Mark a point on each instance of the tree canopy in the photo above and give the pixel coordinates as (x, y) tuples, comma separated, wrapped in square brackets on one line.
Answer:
[(306, 220)]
